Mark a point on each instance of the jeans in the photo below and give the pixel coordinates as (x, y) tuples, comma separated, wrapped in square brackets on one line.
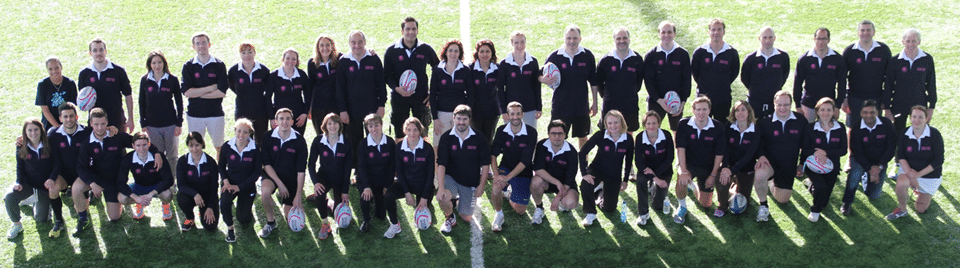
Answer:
[(856, 176)]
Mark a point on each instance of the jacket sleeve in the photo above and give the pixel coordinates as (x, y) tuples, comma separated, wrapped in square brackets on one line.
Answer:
[(428, 187), (798, 80), (312, 162)]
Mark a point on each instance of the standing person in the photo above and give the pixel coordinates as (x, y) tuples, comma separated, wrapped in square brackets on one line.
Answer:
[(485, 74), (197, 177), (821, 72), (607, 175), (577, 66), (111, 82), (333, 175), (872, 146), (920, 155), (555, 166), (739, 164), (450, 87), (205, 84), (782, 135), (664, 71), (161, 107), (241, 164), (515, 140), (322, 70), (654, 156), (911, 81), (715, 66), (360, 87), (37, 170), (460, 154), (148, 181), (248, 80), (826, 139), (409, 53), (619, 76), (414, 166), (375, 170), (284, 154), (53, 91), (287, 88), (764, 72), (866, 65), (518, 81), (700, 150)]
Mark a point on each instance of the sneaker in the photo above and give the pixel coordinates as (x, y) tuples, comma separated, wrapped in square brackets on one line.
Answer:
[(588, 220), (167, 213), (364, 227), (449, 224), (718, 213), (312, 198), (231, 236), (498, 222), (537, 216), (324, 231), (29, 201), (763, 214), (507, 192), (807, 183), (692, 186), (897, 213), (681, 214), (666, 206), (814, 216), (845, 209), (138, 211), (267, 229), (81, 225), (392, 231), (15, 231), (57, 228), (642, 219), (187, 225)]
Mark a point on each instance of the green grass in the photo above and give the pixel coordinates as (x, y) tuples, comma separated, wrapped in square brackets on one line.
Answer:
[(39, 29)]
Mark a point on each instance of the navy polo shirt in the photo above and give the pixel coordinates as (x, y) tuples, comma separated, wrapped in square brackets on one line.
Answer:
[(197, 75), (657, 155), (817, 78), (570, 97), (910, 82), (665, 71), (516, 148), (742, 148), (143, 173), (463, 158), (618, 82), (376, 162), (197, 178), (161, 103), (287, 156), (399, 58), (415, 170), (360, 87), (68, 148), (518, 82), (614, 156), (714, 71), (288, 91), (764, 75), (867, 68), (111, 84), (99, 160), (781, 140), (447, 90), (323, 83), (37, 168), (872, 146), (335, 162), (250, 89), (561, 164), (241, 167), (833, 141), (920, 152), (702, 145), (485, 99)]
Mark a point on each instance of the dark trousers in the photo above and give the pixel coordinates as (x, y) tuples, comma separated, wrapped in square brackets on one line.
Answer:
[(611, 194), (377, 202), (244, 207), (643, 182), (186, 204), (485, 126), (744, 186), (821, 188), (321, 201), (402, 108)]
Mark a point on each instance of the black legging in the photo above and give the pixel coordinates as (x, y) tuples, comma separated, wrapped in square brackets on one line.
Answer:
[(744, 186), (643, 182), (611, 193), (821, 188), (395, 192), (321, 200), (244, 207), (377, 201), (186, 204)]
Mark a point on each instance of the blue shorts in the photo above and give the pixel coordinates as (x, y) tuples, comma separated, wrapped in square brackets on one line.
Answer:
[(142, 190), (520, 188)]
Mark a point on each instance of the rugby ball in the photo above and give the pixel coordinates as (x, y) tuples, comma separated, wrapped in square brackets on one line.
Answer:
[(673, 101), (738, 203), (87, 98), (812, 164), (296, 219), (423, 218), (343, 215), (550, 70), (409, 80)]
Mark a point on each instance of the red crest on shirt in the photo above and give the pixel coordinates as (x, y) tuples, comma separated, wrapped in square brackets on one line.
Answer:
[(283, 88), (513, 74), (189, 172), (813, 66), (325, 154), (476, 81), (859, 60), (63, 145), (563, 66), (731, 140), (508, 144), (319, 75), (240, 80), (693, 136), (149, 89), (677, 63), (275, 148), (606, 148), (96, 150), (93, 80), (646, 152), (921, 69), (406, 159), (613, 68), (196, 75), (904, 69), (351, 68), (759, 65), (400, 58), (548, 159), (776, 133), (443, 81), (865, 139), (909, 149), (707, 60), (660, 62), (137, 171), (211, 75), (233, 157), (818, 140), (371, 154), (454, 147)]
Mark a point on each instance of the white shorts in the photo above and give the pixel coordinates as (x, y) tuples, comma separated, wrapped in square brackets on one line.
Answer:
[(213, 126), (927, 185)]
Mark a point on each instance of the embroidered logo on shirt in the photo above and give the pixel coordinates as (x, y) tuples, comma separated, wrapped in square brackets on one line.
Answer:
[(368, 67), (476, 81), (419, 56), (371, 155), (247, 159), (724, 62), (240, 80), (421, 159), (909, 149), (865, 139), (563, 66), (491, 80), (443, 81), (904, 69), (707, 60), (471, 147), (818, 140), (189, 172), (776, 133), (275, 148), (581, 64), (406, 159), (877, 59), (606, 148), (137, 171), (233, 157), (93, 80), (527, 72), (759, 65), (111, 79), (400, 58), (257, 80), (325, 154), (458, 81), (211, 75), (196, 75), (677, 63), (613, 68), (283, 88), (454, 147), (660, 62), (96, 150), (149, 89), (513, 74), (351, 68), (813, 66), (859, 60), (921, 69), (831, 66), (63, 145)]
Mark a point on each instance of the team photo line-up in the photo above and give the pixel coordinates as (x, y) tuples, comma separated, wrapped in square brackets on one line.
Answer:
[(732, 147)]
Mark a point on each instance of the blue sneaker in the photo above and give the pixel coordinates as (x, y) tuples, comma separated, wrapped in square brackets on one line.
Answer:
[(15, 231), (681, 214)]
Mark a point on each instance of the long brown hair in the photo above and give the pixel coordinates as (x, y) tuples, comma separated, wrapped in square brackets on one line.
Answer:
[(157, 53), (23, 151), (333, 52)]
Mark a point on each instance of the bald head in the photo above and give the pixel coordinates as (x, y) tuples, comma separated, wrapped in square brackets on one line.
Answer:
[(767, 37)]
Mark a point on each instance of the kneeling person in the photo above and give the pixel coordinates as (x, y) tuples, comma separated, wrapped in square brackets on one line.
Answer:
[(462, 152), (515, 141), (555, 166), (148, 181), (197, 177)]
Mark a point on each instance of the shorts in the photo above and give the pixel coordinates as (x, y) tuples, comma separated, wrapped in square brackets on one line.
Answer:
[(141, 189), (701, 176), (463, 193), (520, 189), (579, 124), (110, 193), (446, 118), (291, 192), (926, 185), (783, 177), (212, 125)]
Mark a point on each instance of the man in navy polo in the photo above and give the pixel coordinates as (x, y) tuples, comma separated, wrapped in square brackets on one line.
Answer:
[(204, 82), (360, 87), (619, 76), (110, 82), (866, 66), (764, 72), (715, 66), (577, 66), (463, 163), (409, 53), (821, 72), (667, 68)]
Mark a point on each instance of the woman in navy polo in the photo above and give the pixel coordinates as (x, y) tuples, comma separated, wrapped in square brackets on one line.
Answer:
[(197, 177), (161, 106), (287, 88), (415, 167), (486, 108), (322, 69), (610, 168), (450, 86), (920, 155), (240, 167), (743, 142), (826, 139), (333, 176), (518, 81), (248, 79), (375, 169), (654, 156), (36, 171)]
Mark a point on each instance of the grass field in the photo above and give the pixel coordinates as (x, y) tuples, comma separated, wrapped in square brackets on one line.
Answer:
[(37, 29)]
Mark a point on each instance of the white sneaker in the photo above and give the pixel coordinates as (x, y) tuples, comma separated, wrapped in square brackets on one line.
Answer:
[(666, 206), (498, 221), (763, 214), (588, 220), (29, 201), (392, 231), (599, 187), (814, 216), (537, 216), (642, 219), (507, 192), (448, 224), (563, 208)]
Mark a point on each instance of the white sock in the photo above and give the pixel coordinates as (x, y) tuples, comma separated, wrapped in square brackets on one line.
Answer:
[(682, 202), (499, 212)]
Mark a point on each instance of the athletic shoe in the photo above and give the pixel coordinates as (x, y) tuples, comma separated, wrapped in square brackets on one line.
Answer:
[(392, 231), (718, 213), (537, 216), (57, 228), (681, 214), (29, 201), (807, 182), (364, 227), (15, 231), (231, 237), (588, 220), (763, 214), (324, 231), (81, 225), (896, 214), (267, 229), (692, 186), (167, 213), (666, 206), (187, 225), (312, 198), (507, 192), (449, 224), (498, 222), (642, 219), (845, 209), (814, 216), (138, 211)]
